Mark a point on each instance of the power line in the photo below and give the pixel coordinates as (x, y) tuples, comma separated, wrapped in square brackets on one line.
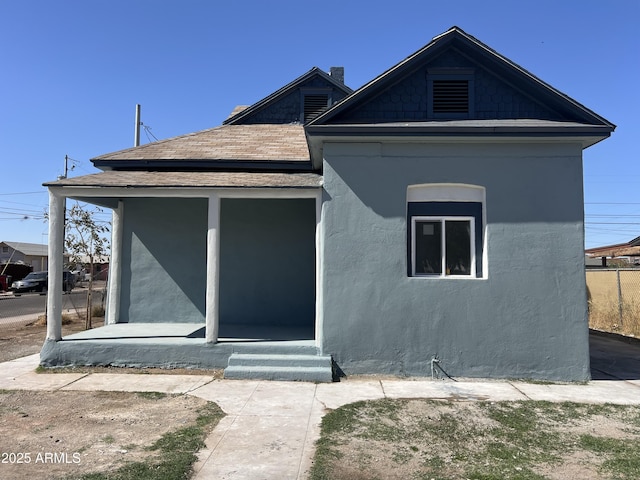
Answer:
[(24, 193), (147, 131), (612, 223), (622, 215)]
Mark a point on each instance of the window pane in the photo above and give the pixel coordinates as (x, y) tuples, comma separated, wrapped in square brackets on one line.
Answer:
[(428, 238), (458, 247)]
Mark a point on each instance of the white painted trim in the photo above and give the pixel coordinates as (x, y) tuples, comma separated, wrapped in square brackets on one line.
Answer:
[(56, 250), (319, 320), (115, 265), (212, 313), (446, 192)]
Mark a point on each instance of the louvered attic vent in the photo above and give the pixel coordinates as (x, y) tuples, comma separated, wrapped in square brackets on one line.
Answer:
[(450, 96), (314, 105)]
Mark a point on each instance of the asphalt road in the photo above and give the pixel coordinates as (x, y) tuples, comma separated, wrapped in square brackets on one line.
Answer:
[(14, 308)]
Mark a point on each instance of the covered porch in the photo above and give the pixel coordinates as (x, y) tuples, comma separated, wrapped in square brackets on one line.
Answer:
[(212, 299)]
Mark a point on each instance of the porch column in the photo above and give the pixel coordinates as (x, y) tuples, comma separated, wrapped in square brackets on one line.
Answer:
[(115, 265), (56, 250), (213, 270), (319, 272)]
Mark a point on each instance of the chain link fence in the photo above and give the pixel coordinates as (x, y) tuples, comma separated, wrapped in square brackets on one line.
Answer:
[(614, 300)]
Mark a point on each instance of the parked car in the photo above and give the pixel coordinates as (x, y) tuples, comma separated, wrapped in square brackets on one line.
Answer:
[(39, 282)]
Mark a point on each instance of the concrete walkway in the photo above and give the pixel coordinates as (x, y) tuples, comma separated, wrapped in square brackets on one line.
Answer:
[(270, 427)]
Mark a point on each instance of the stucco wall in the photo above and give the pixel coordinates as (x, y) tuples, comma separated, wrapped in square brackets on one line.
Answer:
[(526, 319), (164, 251), (267, 262)]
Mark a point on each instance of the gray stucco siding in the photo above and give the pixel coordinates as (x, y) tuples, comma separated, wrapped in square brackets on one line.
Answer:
[(267, 262), (164, 251), (526, 318)]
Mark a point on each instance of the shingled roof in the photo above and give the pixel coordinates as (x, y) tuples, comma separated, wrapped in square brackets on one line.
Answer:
[(227, 143)]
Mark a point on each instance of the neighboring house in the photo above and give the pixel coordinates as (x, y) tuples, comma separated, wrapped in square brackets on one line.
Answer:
[(630, 250), (32, 254), (396, 229), (100, 266)]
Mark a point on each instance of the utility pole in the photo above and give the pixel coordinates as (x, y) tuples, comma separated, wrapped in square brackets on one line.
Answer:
[(64, 215), (136, 138)]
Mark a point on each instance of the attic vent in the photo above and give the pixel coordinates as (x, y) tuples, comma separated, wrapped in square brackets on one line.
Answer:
[(450, 93), (450, 96), (314, 105)]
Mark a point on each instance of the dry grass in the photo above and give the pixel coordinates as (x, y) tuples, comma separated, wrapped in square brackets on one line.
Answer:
[(606, 317), (605, 313)]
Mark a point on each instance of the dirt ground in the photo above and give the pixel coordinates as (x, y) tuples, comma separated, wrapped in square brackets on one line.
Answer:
[(431, 440), (50, 435), (20, 341)]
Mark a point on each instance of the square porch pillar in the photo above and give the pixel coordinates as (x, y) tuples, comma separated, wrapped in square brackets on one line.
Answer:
[(115, 265), (213, 270), (56, 259)]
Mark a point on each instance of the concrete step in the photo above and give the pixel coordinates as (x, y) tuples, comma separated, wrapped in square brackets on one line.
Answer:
[(297, 374), (266, 360), (277, 348), (295, 367)]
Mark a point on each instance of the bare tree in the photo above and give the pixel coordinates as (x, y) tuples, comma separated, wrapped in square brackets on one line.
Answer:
[(85, 239)]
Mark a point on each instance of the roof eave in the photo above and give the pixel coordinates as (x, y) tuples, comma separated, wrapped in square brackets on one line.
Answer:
[(587, 135), (300, 165)]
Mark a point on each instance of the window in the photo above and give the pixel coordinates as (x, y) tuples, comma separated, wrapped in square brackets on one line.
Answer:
[(5, 249), (443, 246), (450, 93), (445, 224)]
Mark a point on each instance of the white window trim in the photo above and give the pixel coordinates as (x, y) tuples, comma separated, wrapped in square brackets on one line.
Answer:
[(446, 192), (443, 243)]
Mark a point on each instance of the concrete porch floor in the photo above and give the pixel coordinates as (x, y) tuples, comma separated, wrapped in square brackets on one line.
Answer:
[(227, 333)]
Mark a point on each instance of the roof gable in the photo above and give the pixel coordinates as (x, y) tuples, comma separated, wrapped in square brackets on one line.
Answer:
[(285, 105), (500, 89)]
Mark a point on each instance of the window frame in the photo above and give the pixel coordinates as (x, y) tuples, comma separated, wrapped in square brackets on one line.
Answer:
[(443, 219)]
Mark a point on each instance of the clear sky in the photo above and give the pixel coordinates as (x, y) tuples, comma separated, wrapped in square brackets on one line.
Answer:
[(72, 72)]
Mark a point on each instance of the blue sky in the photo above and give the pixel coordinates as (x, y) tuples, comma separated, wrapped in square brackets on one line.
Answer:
[(72, 72)]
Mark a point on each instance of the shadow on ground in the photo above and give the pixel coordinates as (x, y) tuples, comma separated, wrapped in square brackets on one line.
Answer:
[(614, 357)]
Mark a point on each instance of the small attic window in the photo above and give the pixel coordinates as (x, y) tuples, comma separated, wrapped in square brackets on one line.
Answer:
[(450, 93), (314, 102)]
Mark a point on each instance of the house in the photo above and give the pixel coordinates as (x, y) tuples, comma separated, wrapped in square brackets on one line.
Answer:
[(99, 270), (32, 254), (631, 250), (395, 229)]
